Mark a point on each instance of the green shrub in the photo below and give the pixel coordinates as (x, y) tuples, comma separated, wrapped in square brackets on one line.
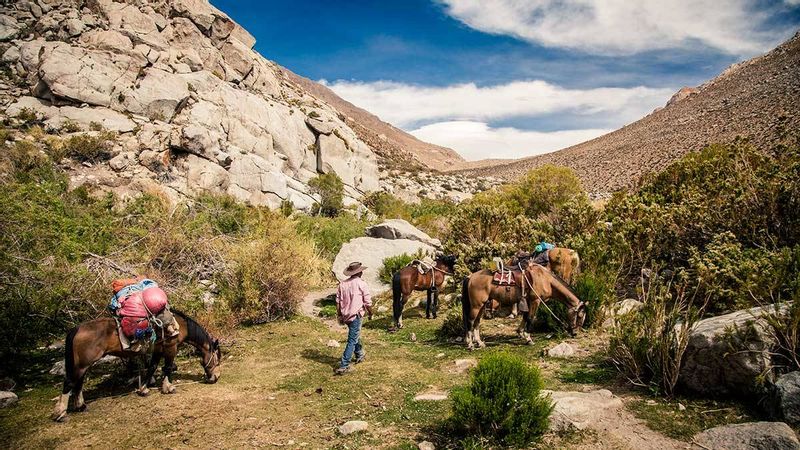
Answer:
[(648, 347), (331, 191), (271, 274), (387, 206), (89, 148), (503, 401), (394, 263), (452, 326), (330, 233)]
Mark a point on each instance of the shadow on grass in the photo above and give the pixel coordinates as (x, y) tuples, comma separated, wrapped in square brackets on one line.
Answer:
[(320, 357)]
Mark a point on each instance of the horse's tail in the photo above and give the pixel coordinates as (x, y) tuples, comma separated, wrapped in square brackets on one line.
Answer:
[(466, 306), (69, 356), (397, 296)]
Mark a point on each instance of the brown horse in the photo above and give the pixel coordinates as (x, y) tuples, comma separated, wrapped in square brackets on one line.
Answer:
[(96, 338), (564, 263), (535, 284), (408, 279)]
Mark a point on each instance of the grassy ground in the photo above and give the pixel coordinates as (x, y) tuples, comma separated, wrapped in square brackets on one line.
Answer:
[(277, 389)]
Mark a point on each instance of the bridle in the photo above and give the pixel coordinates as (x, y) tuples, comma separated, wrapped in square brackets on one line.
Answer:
[(214, 358)]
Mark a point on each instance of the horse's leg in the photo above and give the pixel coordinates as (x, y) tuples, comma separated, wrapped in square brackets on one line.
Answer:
[(428, 305), (169, 358), (476, 329), (80, 404), (514, 311), (522, 331), (60, 411), (403, 301), (435, 302)]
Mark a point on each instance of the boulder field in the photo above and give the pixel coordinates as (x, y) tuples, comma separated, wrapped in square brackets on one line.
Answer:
[(195, 108)]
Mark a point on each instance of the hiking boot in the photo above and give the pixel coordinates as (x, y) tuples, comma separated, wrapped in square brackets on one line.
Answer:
[(342, 370), (360, 359)]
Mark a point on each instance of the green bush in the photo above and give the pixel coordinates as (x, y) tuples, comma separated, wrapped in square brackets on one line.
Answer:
[(89, 148), (452, 326), (503, 401), (648, 347), (387, 206), (330, 233), (331, 191), (394, 263)]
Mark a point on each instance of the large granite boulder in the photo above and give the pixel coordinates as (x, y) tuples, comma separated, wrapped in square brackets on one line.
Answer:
[(710, 367), (400, 229), (371, 252), (749, 436), (785, 401), (7, 398)]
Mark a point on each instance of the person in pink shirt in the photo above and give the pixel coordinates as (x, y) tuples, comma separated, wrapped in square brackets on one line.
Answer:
[(352, 299)]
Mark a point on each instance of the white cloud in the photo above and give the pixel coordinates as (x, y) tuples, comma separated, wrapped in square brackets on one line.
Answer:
[(624, 26), (477, 140), (406, 105)]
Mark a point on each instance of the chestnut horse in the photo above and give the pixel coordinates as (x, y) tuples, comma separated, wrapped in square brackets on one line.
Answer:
[(564, 263), (408, 279), (96, 338), (535, 284)]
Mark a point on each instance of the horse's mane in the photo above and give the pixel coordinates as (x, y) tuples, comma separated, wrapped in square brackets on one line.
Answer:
[(194, 331), (561, 281)]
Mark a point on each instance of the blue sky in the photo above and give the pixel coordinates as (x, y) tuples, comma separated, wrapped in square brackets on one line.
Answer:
[(504, 78)]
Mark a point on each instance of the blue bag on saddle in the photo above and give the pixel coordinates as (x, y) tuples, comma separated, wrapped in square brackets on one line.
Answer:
[(114, 305)]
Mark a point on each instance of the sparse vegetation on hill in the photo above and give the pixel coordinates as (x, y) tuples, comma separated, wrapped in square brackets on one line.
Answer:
[(60, 248)]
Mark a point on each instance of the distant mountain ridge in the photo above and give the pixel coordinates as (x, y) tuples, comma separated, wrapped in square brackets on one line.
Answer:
[(757, 99)]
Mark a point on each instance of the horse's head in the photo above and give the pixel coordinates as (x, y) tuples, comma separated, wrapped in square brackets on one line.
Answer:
[(212, 359), (449, 261)]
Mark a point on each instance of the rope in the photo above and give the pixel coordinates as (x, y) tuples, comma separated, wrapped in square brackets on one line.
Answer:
[(542, 302)]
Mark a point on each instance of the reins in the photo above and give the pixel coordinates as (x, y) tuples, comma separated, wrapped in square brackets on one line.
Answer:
[(542, 302)]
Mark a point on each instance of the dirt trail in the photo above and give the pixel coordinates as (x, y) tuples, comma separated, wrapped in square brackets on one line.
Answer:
[(308, 306)]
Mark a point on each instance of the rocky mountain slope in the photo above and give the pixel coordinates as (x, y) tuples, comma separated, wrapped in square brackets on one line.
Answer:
[(396, 148), (758, 99), (194, 108)]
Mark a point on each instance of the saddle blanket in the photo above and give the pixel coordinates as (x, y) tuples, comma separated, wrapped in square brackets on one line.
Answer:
[(504, 278)]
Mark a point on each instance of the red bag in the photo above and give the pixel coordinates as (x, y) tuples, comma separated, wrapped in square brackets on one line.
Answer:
[(120, 283), (131, 324)]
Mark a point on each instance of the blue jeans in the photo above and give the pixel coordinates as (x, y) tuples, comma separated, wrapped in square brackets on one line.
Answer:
[(353, 342)]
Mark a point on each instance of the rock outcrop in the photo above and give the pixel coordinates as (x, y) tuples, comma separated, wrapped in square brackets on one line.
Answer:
[(710, 367), (371, 252), (401, 229), (785, 400), (195, 108), (749, 436)]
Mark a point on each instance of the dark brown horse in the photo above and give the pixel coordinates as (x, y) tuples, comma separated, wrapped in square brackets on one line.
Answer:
[(535, 284), (96, 338), (408, 279)]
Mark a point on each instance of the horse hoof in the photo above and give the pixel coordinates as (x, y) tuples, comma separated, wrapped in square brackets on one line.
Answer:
[(170, 390), (143, 392), (81, 408), (529, 342), (59, 416)]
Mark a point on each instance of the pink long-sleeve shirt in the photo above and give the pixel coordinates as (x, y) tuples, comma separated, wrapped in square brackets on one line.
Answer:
[(351, 298)]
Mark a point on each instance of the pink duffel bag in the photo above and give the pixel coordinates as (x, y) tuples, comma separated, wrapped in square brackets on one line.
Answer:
[(134, 305)]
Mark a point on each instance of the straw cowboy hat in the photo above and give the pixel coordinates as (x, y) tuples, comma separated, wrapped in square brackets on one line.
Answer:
[(354, 268)]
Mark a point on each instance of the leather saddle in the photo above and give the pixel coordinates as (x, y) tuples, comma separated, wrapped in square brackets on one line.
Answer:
[(506, 277)]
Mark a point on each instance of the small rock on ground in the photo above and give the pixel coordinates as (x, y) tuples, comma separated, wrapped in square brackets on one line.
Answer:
[(561, 350), (431, 396), (353, 426), (750, 436), (7, 399), (425, 445), (333, 344), (579, 409), (463, 365)]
